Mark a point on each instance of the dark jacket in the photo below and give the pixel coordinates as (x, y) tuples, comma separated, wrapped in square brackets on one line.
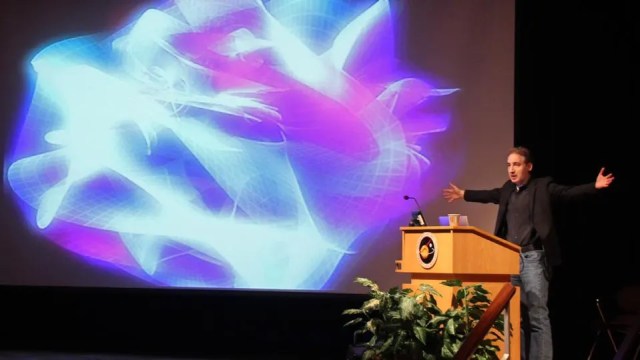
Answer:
[(544, 193)]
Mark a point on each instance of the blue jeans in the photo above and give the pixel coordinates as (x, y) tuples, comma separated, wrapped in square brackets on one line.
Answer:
[(535, 335)]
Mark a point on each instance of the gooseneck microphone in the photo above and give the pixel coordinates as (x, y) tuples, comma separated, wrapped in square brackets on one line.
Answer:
[(418, 217)]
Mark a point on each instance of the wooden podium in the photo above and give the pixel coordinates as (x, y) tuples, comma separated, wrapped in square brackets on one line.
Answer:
[(432, 254)]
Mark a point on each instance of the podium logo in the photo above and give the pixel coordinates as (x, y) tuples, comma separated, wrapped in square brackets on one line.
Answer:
[(427, 250)]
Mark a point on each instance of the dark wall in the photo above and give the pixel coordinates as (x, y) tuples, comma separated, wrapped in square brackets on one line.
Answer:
[(576, 89), (176, 323)]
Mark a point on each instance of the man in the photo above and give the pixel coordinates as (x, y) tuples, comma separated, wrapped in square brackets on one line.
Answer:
[(525, 218)]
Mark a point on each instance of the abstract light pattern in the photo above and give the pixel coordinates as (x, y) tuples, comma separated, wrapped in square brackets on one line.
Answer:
[(217, 143)]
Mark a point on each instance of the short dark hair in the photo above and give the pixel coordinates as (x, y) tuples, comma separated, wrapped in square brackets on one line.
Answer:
[(522, 151)]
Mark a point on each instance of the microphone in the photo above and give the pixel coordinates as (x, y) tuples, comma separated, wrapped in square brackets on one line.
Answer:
[(417, 216)]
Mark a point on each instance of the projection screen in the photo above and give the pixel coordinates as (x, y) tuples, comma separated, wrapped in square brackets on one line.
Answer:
[(244, 144)]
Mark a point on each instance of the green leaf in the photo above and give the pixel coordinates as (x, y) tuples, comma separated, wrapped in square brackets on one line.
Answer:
[(480, 289), (428, 289), (447, 352), (476, 298), (406, 292), (367, 283), (437, 321), (372, 325), (407, 308), (455, 346), (451, 327), (352, 312), (396, 290), (387, 344), (461, 294), (452, 282), (373, 341), (371, 305), (353, 322), (369, 355), (498, 336), (421, 334)]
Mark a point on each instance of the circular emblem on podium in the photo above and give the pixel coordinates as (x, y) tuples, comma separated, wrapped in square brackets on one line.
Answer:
[(427, 250)]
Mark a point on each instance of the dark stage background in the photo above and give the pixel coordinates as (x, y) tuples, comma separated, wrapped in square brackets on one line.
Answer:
[(575, 102), (576, 94)]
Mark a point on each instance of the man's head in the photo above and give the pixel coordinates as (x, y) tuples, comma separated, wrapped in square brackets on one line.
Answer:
[(519, 165)]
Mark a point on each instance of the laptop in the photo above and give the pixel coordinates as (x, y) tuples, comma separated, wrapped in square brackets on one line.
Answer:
[(444, 220)]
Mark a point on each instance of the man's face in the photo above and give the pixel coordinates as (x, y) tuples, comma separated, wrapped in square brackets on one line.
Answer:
[(519, 170)]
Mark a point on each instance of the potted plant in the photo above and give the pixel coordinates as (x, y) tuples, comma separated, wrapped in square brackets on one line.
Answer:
[(404, 324)]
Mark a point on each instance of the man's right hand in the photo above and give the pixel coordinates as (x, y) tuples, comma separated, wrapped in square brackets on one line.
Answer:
[(452, 193)]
